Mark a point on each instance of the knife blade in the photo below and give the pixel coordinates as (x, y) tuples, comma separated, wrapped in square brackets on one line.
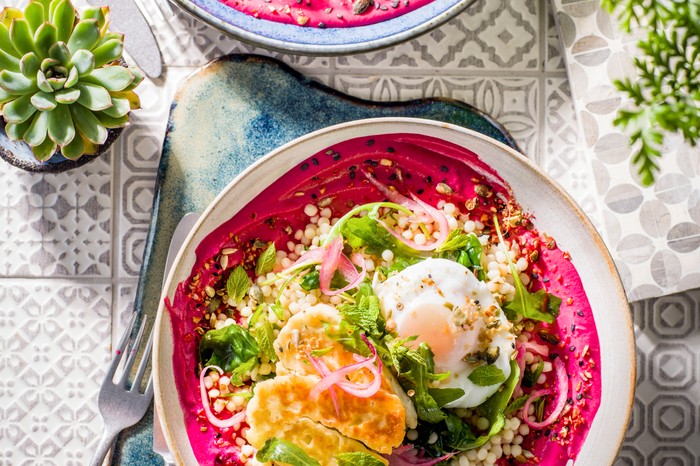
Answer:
[(127, 18), (181, 231)]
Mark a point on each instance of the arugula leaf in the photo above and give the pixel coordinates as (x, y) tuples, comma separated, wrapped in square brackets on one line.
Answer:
[(237, 284), (486, 375), (357, 458), (493, 408), (264, 334), (530, 377), (399, 264), (283, 451), (459, 435), (232, 348), (443, 396), (266, 260), (456, 240), (539, 306), (516, 404), (465, 249), (365, 312), (366, 232)]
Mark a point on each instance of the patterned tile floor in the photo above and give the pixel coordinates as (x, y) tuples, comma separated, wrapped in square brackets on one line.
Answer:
[(71, 244)]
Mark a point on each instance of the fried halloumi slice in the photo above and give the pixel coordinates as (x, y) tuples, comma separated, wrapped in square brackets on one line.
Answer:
[(315, 439), (308, 331), (377, 421)]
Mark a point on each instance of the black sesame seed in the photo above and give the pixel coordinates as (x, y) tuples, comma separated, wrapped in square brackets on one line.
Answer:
[(390, 150), (392, 177), (371, 162), (444, 168), (545, 280), (322, 25), (547, 432), (336, 156), (579, 313), (534, 275), (572, 348), (570, 401), (579, 396), (313, 196), (420, 191), (370, 142), (353, 168), (314, 161), (573, 327), (304, 166), (314, 178), (429, 179), (352, 175), (580, 364), (554, 356)]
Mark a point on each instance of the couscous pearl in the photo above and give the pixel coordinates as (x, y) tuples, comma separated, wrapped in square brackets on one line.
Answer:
[(507, 435), (224, 380), (542, 379), (506, 449), (433, 438), (482, 424), (496, 439), (521, 264), (516, 450), (449, 208), (463, 461), (482, 454), (408, 234), (208, 383), (471, 455), (452, 223), (529, 358), (493, 274), (514, 423), (491, 458), (412, 435), (525, 278), (547, 366), (402, 222), (517, 441), (420, 239), (265, 369), (310, 210), (387, 255)]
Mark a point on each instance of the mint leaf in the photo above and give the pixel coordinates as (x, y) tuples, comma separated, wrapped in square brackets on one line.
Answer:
[(357, 458), (484, 376), (266, 261), (264, 334), (282, 451), (366, 232), (237, 284), (365, 313), (232, 348), (443, 396)]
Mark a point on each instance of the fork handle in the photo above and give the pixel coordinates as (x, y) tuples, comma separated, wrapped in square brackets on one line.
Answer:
[(103, 447)]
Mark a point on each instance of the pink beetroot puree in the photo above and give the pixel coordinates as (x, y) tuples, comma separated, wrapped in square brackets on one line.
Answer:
[(325, 13), (434, 170)]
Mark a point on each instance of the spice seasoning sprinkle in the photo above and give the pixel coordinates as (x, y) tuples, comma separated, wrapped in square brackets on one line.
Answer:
[(304, 166)]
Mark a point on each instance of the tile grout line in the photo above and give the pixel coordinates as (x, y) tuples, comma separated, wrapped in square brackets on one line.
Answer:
[(116, 246)]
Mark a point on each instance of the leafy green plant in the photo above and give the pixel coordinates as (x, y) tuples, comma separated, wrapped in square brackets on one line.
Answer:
[(666, 96), (61, 82)]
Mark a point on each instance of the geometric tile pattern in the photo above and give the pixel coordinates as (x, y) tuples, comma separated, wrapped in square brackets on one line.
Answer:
[(665, 424), (71, 244), (653, 232)]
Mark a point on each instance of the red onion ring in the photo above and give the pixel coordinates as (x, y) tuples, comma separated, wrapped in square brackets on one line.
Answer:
[(562, 390), (407, 455), (213, 420)]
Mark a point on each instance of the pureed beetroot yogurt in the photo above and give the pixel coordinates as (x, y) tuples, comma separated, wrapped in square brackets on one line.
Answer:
[(327, 13), (390, 282)]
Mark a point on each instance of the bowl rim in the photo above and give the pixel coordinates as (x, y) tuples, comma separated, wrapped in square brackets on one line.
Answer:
[(329, 49), (613, 437)]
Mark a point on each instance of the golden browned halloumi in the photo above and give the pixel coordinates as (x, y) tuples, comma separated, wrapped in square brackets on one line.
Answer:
[(320, 442), (377, 421)]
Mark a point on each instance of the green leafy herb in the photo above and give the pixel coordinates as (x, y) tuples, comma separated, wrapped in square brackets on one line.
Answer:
[(357, 458), (486, 375), (465, 249), (266, 260), (232, 348), (666, 97), (264, 333), (539, 409), (237, 284), (455, 241), (248, 395), (310, 281), (493, 408), (283, 451), (516, 405), (364, 313), (443, 396), (539, 306), (317, 353), (399, 264), (459, 435), (365, 232), (530, 377)]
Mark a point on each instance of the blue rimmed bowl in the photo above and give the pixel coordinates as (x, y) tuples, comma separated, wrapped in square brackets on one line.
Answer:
[(315, 41)]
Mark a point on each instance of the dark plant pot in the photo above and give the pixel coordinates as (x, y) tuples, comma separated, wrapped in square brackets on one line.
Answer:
[(20, 154)]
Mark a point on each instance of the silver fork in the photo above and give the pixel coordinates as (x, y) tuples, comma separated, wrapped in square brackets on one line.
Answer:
[(122, 406)]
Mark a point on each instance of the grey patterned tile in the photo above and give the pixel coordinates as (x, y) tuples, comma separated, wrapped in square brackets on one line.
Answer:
[(554, 56), (490, 35), (51, 368), (57, 225)]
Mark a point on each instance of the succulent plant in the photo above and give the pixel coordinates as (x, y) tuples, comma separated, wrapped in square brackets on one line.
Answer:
[(62, 83)]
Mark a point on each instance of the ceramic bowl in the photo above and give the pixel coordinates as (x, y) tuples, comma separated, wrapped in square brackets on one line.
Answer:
[(555, 212), (314, 41)]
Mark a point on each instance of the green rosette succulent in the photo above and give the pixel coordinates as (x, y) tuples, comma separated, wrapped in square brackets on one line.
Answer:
[(62, 84)]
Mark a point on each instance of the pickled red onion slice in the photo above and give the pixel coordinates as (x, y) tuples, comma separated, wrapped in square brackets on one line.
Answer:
[(213, 420), (562, 390)]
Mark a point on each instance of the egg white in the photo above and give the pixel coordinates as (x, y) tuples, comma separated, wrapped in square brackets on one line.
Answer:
[(422, 299)]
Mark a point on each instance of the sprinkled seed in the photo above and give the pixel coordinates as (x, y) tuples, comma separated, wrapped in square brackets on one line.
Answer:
[(359, 7), (228, 251), (483, 191), (444, 188)]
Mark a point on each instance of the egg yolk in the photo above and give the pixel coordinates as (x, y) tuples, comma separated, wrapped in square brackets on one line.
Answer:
[(433, 325)]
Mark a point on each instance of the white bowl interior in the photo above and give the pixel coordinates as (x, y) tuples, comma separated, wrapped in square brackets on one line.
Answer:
[(556, 213)]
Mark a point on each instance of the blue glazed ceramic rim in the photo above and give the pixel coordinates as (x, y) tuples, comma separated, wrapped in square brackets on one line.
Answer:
[(315, 41)]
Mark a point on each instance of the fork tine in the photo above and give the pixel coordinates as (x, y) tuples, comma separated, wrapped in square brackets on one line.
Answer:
[(121, 347), (133, 349), (145, 360)]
